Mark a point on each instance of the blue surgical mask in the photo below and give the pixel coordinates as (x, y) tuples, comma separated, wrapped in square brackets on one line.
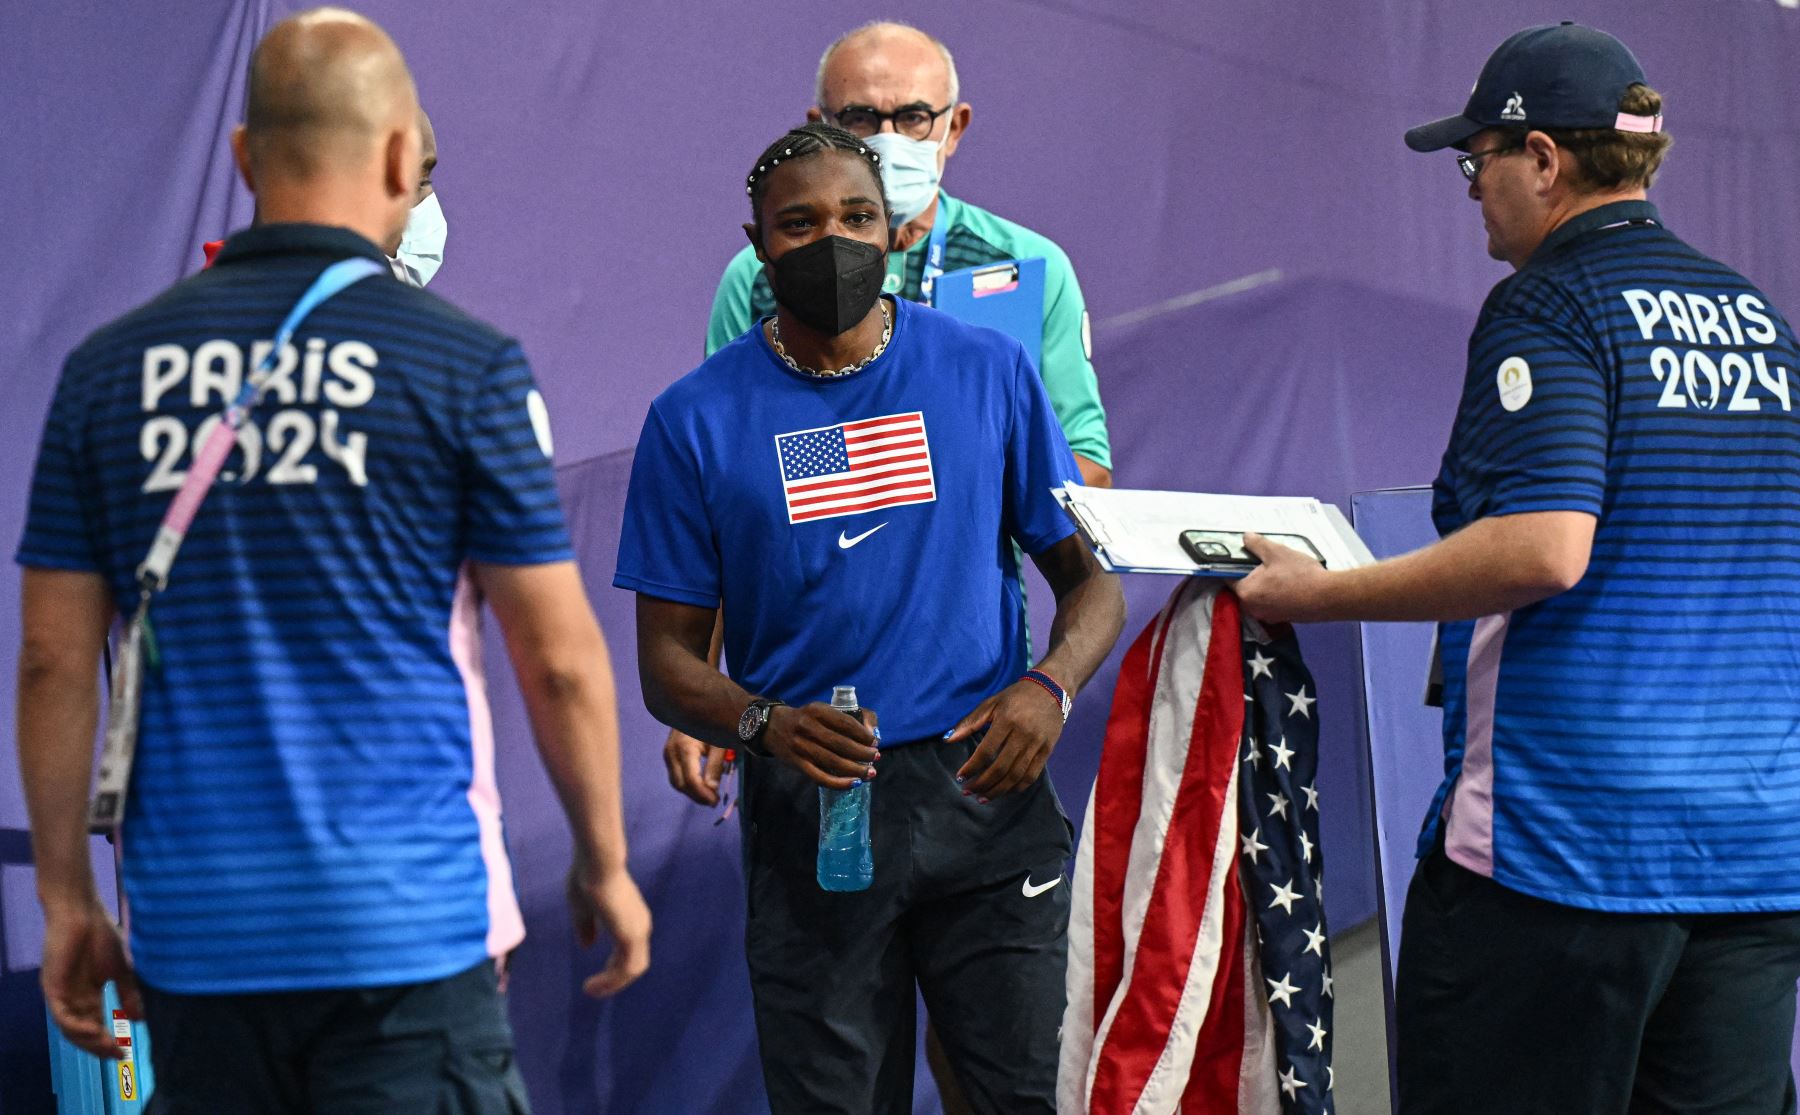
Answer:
[(422, 244), (909, 173)]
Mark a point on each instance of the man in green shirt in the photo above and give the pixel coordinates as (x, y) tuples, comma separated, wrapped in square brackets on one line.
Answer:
[(896, 86)]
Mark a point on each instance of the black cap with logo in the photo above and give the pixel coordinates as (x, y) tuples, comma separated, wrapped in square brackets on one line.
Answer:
[(1559, 76)]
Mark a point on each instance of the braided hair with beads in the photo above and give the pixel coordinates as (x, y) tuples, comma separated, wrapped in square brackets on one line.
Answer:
[(808, 139)]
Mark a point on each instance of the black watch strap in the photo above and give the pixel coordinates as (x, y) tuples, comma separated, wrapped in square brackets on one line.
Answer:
[(753, 742)]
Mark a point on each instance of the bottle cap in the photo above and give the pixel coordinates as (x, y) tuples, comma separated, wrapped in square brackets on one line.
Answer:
[(843, 696)]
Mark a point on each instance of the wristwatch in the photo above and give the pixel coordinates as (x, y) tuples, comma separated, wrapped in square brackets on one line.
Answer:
[(753, 723)]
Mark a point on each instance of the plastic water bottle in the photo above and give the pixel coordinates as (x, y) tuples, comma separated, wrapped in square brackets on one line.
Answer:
[(846, 862)]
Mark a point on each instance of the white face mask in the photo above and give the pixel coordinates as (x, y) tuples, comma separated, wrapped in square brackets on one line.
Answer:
[(422, 244), (909, 173)]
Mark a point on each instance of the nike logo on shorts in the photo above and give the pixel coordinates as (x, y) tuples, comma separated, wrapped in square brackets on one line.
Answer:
[(1030, 891), (845, 542)]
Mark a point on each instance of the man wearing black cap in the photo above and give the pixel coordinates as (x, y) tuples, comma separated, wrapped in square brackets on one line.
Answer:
[(1603, 920)]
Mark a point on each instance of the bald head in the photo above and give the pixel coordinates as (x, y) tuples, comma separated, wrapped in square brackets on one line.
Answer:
[(327, 89), (331, 132), (885, 55)]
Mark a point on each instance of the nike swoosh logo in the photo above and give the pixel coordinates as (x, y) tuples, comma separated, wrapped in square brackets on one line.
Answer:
[(1030, 891), (844, 543)]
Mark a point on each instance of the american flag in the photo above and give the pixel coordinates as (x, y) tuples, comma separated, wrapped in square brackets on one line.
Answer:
[(855, 467), (1282, 868), (1199, 975)]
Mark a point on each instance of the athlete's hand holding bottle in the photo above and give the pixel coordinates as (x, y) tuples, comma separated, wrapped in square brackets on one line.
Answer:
[(822, 743)]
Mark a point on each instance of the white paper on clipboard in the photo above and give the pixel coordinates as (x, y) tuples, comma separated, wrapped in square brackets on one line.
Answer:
[(1135, 531)]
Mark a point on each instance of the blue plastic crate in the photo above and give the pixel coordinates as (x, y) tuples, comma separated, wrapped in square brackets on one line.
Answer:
[(86, 1085)]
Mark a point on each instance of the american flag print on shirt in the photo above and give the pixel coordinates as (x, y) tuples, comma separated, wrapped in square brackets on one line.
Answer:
[(855, 467)]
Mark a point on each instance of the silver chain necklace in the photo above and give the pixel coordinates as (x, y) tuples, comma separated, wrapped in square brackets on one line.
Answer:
[(887, 333)]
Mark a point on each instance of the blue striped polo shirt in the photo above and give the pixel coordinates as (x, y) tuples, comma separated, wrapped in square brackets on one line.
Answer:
[(1632, 744), (312, 804)]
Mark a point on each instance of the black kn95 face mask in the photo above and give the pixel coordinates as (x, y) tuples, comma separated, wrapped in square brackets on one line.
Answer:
[(830, 284)]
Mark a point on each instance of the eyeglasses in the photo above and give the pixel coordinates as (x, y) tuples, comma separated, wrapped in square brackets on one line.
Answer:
[(1471, 164), (914, 120)]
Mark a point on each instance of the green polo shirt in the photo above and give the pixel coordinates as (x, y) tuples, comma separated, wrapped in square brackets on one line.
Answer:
[(972, 237)]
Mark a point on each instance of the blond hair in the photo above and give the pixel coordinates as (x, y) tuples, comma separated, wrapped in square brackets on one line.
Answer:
[(1608, 159)]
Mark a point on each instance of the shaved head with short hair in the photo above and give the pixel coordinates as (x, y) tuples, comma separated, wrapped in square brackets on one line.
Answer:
[(331, 131), (886, 40), (323, 86)]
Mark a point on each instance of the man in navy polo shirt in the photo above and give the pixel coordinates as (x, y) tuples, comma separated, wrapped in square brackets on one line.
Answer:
[(1604, 917), (846, 481), (313, 854)]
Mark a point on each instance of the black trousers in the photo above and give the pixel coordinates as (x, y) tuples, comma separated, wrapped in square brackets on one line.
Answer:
[(968, 907), (1511, 1005), (437, 1048)]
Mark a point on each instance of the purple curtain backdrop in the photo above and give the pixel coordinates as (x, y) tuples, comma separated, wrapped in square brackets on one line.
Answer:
[(1280, 294)]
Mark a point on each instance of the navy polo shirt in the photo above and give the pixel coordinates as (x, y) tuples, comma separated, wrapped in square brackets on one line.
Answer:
[(1632, 744), (306, 809)]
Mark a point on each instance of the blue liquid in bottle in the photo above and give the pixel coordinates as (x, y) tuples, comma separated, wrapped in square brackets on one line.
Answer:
[(846, 862)]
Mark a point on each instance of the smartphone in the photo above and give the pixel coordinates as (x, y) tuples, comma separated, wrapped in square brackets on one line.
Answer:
[(1223, 550)]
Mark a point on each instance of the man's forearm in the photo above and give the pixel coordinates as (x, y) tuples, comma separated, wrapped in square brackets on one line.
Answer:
[(678, 646), (575, 721), (691, 695), (1089, 616), (1494, 565), (57, 716)]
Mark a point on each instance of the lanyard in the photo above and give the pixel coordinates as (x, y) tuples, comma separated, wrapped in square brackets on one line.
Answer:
[(153, 574), (108, 807), (934, 261)]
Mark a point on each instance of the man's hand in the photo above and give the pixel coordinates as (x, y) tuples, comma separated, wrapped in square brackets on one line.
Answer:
[(1023, 723), (1288, 587), (695, 767), (822, 743), (611, 901), (565, 675), (82, 951)]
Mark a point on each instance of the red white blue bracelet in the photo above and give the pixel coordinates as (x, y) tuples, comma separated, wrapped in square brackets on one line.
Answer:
[(1061, 695)]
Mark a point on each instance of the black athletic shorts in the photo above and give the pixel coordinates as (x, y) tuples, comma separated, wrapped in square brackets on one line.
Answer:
[(438, 1048), (969, 907), (1510, 1005)]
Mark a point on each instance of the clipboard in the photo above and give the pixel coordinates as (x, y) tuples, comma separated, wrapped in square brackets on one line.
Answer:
[(1008, 296), (1141, 531)]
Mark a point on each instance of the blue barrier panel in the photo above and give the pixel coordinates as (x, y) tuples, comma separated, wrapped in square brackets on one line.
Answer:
[(1406, 742)]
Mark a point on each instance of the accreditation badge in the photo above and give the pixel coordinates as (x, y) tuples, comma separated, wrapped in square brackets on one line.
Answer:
[(107, 810)]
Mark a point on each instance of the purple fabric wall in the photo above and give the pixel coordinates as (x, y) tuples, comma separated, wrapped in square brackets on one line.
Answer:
[(599, 149), (592, 154)]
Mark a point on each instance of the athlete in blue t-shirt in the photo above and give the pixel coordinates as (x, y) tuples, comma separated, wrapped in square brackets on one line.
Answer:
[(312, 846), (846, 482), (1603, 919)]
